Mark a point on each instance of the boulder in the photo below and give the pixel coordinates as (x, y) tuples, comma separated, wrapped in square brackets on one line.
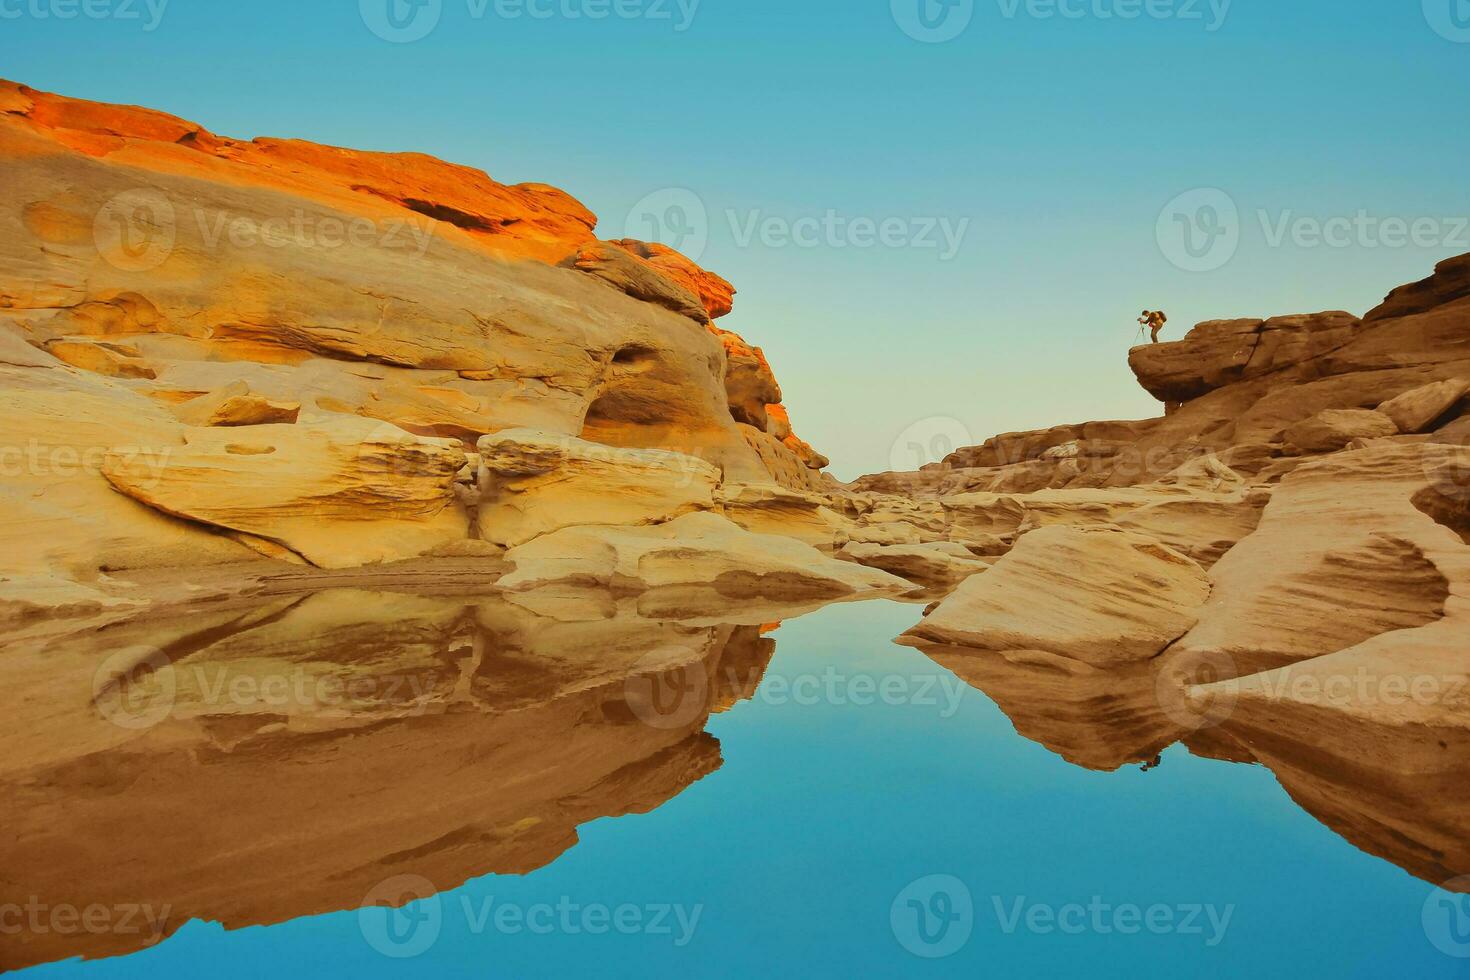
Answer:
[(1417, 410), (336, 493), (1218, 353), (624, 271), (938, 563), (696, 550), (1099, 595), (1333, 429), (538, 482), (236, 405)]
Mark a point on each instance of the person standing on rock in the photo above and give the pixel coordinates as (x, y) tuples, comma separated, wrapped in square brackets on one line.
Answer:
[(1155, 321)]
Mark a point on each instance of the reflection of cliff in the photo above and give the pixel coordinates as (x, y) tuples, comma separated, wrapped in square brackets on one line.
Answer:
[(1096, 719), (310, 748), (1401, 793)]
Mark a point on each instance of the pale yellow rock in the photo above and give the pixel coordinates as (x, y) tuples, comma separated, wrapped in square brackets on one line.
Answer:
[(340, 493), (772, 509), (538, 482), (695, 550), (1099, 595), (1346, 550), (936, 563)]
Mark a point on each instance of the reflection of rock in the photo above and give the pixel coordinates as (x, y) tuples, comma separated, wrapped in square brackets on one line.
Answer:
[(1098, 595), (698, 550), (1097, 719), (289, 770), (1391, 774)]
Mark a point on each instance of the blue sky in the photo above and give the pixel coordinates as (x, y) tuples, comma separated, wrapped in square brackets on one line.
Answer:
[(1053, 134)]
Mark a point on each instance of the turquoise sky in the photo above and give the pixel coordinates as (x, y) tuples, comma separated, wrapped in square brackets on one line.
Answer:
[(1054, 133)]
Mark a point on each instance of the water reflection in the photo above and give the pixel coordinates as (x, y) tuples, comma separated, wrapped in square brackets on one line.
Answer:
[(282, 759), (1399, 792)]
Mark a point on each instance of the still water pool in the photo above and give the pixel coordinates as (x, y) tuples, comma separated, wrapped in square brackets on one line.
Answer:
[(872, 815)]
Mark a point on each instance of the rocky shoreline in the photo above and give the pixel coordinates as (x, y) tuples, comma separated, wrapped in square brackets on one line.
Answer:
[(241, 373)]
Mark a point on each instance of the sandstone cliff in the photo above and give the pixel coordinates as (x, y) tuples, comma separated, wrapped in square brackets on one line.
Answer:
[(212, 348)]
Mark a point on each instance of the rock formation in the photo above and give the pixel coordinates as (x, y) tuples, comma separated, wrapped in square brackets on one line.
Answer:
[(158, 280)]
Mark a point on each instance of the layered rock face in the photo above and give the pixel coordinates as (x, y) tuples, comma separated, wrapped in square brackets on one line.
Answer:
[(159, 282)]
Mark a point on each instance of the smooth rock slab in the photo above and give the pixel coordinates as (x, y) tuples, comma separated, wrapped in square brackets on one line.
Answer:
[(338, 493), (1099, 595), (695, 550)]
